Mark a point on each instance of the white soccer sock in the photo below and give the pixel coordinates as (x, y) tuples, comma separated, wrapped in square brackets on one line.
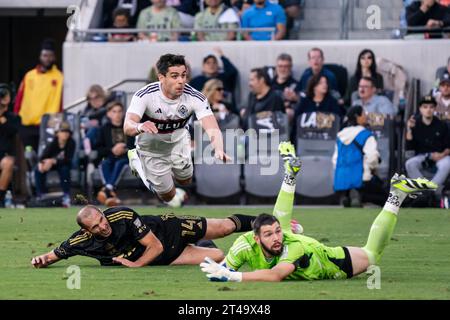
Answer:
[(288, 184), (137, 165), (395, 200)]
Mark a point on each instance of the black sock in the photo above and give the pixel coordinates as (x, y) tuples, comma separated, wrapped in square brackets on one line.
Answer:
[(243, 222), (2, 195), (206, 244)]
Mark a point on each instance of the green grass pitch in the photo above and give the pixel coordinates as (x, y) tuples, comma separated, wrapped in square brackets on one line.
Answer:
[(415, 265)]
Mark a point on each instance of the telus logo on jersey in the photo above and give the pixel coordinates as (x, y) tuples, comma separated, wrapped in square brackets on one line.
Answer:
[(168, 126)]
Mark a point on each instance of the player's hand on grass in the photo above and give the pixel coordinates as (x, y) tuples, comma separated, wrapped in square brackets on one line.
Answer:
[(125, 262), (148, 127), (217, 272), (40, 261), (219, 154)]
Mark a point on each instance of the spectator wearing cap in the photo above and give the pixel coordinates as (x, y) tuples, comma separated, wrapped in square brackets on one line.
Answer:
[(427, 13), (210, 70), (429, 138), (9, 126), (112, 146), (262, 97), (57, 156), (40, 92), (443, 98), (264, 14), (371, 101), (216, 15)]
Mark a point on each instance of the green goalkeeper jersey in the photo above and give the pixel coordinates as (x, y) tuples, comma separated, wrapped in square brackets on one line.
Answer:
[(312, 259)]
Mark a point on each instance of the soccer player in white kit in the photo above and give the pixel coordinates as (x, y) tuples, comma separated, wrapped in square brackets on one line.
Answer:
[(158, 115)]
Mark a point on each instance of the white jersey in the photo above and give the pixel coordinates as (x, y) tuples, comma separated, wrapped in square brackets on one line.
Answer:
[(169, 116)]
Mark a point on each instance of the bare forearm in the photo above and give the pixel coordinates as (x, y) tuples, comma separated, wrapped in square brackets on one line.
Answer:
[(130, 128), (150, 254), (409, 135), (261, 275)]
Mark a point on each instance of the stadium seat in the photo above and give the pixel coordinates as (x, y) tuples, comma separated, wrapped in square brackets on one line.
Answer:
[(382, 127), (341, 74), (269, 124), (316, 140), (263, 169), (440, 72), (49, 123), (218, 180)]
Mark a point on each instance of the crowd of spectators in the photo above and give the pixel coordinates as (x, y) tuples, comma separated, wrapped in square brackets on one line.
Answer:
[(228, 15), (281, 15)]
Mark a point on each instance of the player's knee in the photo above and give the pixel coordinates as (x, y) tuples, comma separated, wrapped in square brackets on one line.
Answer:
[(217, 255), (168, 195), (228, 227), (185, 182), (7, 163)]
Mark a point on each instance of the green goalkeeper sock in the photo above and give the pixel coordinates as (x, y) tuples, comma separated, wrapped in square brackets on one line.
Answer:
[(285, 203), (383, 227)]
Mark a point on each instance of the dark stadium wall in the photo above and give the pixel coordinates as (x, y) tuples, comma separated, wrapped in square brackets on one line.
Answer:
[(21, 38)]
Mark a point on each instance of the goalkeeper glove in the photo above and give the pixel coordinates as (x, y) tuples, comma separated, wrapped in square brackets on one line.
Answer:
[(216, 272)]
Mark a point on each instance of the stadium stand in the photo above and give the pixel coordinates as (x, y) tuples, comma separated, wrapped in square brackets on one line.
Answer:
[(47, 129), (315, 143), (263, 169), (216, 180)]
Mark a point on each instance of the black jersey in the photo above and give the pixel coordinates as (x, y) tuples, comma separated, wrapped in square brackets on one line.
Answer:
[(127, 229), (175, 233)]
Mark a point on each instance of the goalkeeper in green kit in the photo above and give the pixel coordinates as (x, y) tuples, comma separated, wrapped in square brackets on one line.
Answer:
[(275, 253)]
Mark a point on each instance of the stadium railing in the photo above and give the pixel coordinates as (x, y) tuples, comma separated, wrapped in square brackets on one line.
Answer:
[(81, 35)]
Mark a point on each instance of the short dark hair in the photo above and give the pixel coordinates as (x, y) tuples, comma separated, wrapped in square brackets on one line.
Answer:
[(370, 79), (263, 219), (312, 83), (352, 114), (262, 73), (285, 57), (48, 44), (112, 104), (121, 12), (316, 49), (4, 90), (169, 60)]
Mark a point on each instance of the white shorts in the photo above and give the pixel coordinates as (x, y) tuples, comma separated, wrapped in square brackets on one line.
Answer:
[(160, 170)]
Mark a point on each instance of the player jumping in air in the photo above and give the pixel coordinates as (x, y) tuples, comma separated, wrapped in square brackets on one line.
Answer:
[(158, 115), (274, 253)]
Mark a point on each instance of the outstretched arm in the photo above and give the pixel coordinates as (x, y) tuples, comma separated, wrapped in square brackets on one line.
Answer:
[(209, 124), (44, 260), (217, 272), (276, 274)]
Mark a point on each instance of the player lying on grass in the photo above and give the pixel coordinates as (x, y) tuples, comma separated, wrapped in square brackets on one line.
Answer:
[(119, 235), (276, 254)]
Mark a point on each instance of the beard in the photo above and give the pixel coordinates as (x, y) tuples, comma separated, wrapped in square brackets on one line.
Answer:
[(271, 251)]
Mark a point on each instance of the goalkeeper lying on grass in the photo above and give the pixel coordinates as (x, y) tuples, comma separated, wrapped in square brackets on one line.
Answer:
[(275, 253)]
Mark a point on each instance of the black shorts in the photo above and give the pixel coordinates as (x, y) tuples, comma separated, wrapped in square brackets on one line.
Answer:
[(177, 233), (346, 263)]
